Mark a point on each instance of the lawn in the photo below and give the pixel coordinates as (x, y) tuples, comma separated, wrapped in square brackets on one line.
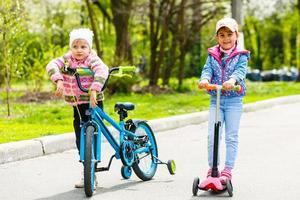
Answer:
[(32, 120)]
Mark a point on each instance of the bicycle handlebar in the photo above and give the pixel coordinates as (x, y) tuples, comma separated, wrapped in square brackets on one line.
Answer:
[(215, 87), (87, 72)]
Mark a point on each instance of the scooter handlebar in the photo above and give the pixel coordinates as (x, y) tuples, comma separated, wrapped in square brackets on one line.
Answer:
[(215, 87)]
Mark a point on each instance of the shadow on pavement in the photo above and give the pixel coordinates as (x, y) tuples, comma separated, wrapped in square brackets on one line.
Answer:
[(78, 194)]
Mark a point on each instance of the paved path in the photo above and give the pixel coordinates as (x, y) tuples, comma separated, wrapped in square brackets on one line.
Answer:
[(268, 165)]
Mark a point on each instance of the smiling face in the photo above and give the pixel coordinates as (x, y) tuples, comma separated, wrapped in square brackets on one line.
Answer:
[(80, 49), (226, 38)]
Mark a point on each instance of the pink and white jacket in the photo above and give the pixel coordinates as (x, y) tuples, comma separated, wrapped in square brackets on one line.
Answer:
[(73, 95)]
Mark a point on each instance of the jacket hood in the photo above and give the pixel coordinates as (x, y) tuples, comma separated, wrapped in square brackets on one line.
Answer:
[(216, 52)]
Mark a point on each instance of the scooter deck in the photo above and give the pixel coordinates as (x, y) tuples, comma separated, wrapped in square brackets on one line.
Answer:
[(212, 183)]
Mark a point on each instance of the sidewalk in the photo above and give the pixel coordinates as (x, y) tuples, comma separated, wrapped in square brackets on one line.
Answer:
[(15, 151)]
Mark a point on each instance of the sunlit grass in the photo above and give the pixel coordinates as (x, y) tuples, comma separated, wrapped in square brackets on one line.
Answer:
[(31, 120)]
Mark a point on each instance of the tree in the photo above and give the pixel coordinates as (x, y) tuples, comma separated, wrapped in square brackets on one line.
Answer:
[(121, 10), (159, 21), (298, 40), (11, 20), (175, 27), (190, 27), (93, 24)]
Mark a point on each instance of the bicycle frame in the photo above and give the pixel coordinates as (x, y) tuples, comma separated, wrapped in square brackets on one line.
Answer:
[(97, 115)]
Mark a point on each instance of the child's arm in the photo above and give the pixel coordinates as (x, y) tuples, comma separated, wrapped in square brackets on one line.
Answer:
[(206, 74), (100, 75), (206, 71), (53, 69), (239, 74)]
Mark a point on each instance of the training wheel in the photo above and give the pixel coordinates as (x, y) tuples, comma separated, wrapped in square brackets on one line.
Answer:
[(171, 167), (195, 186), (126, 172), (229, 188)]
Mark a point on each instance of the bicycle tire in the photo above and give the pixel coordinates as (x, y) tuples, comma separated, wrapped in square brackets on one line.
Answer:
[(145, 166), (89, 162)]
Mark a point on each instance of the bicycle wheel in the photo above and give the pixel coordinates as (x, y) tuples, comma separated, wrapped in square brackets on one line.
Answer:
[(89, 161), (145, 164)]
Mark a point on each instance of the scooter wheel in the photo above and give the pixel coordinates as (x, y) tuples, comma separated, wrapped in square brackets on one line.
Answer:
[(229, 188), (195, 186), (171, 167)]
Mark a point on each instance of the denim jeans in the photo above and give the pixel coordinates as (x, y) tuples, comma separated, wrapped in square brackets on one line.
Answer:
[(231, 109)]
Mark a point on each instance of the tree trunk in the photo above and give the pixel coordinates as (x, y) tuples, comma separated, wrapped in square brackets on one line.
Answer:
[(7, 70), (298, 42), (258, 61), (195, 40), (182, 43), (164, 34), (93, 24), (153, 43), (172, 52), (171, 63), (121, 13)]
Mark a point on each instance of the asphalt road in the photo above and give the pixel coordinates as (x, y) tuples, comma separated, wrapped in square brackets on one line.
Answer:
[(268, 165)]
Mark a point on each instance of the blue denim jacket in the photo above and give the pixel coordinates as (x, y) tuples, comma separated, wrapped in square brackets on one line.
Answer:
[(234, 66)]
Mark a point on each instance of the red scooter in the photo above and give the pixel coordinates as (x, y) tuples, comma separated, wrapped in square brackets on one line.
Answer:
[(213, 182)]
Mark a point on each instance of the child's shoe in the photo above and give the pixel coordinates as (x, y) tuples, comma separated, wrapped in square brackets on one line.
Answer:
[(210, 171), (225, 175), (80, 184)]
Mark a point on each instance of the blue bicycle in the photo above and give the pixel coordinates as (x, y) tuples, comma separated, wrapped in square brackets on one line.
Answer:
[(136, 146)]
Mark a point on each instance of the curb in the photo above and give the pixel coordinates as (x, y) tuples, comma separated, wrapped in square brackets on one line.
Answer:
[(15, 151)]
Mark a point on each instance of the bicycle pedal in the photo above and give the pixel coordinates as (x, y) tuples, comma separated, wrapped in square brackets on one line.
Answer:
[(141, 139), (101, 169)]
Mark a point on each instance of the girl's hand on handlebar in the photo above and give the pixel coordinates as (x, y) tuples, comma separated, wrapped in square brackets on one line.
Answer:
[(202, 83), (229, 85), (59, 88), (93, 98)]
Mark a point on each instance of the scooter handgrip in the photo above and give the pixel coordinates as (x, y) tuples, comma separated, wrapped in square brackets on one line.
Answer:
[(237, 88)]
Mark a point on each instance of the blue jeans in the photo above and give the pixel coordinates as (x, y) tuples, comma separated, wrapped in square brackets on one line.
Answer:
[(231, 109)]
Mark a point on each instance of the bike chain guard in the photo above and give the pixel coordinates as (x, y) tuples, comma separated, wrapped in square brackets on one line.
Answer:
[(127, 152)]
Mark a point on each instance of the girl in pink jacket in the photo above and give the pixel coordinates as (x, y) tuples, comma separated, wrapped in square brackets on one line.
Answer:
[(80, 55)]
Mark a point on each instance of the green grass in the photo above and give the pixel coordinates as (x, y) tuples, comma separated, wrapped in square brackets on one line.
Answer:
[(32, 120)]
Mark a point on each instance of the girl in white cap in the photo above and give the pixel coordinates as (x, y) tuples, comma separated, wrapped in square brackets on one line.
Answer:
[(226, 65), (80, 55)]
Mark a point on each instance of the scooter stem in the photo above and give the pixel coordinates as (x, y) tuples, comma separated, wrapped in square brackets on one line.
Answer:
[(217, 119), (216, 134)]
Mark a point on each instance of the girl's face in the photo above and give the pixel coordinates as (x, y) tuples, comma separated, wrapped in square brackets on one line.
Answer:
[(226, 38), (80, 49)]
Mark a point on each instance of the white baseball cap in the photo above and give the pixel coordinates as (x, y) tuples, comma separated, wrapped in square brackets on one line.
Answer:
[(227, 22), (82, 33)]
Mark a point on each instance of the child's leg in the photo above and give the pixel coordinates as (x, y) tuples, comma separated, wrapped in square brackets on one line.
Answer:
[(233, 112), (76, 120), (76, 123), (82, 108)]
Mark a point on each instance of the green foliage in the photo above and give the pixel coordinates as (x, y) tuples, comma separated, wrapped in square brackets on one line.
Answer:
[(11, 19), (272, 40), (122, 85)]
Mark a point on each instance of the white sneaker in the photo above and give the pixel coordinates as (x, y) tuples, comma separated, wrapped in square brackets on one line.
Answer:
[(96, 181), (80, 184)]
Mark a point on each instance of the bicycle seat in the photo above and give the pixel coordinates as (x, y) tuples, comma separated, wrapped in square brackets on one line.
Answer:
[(124, 106)]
